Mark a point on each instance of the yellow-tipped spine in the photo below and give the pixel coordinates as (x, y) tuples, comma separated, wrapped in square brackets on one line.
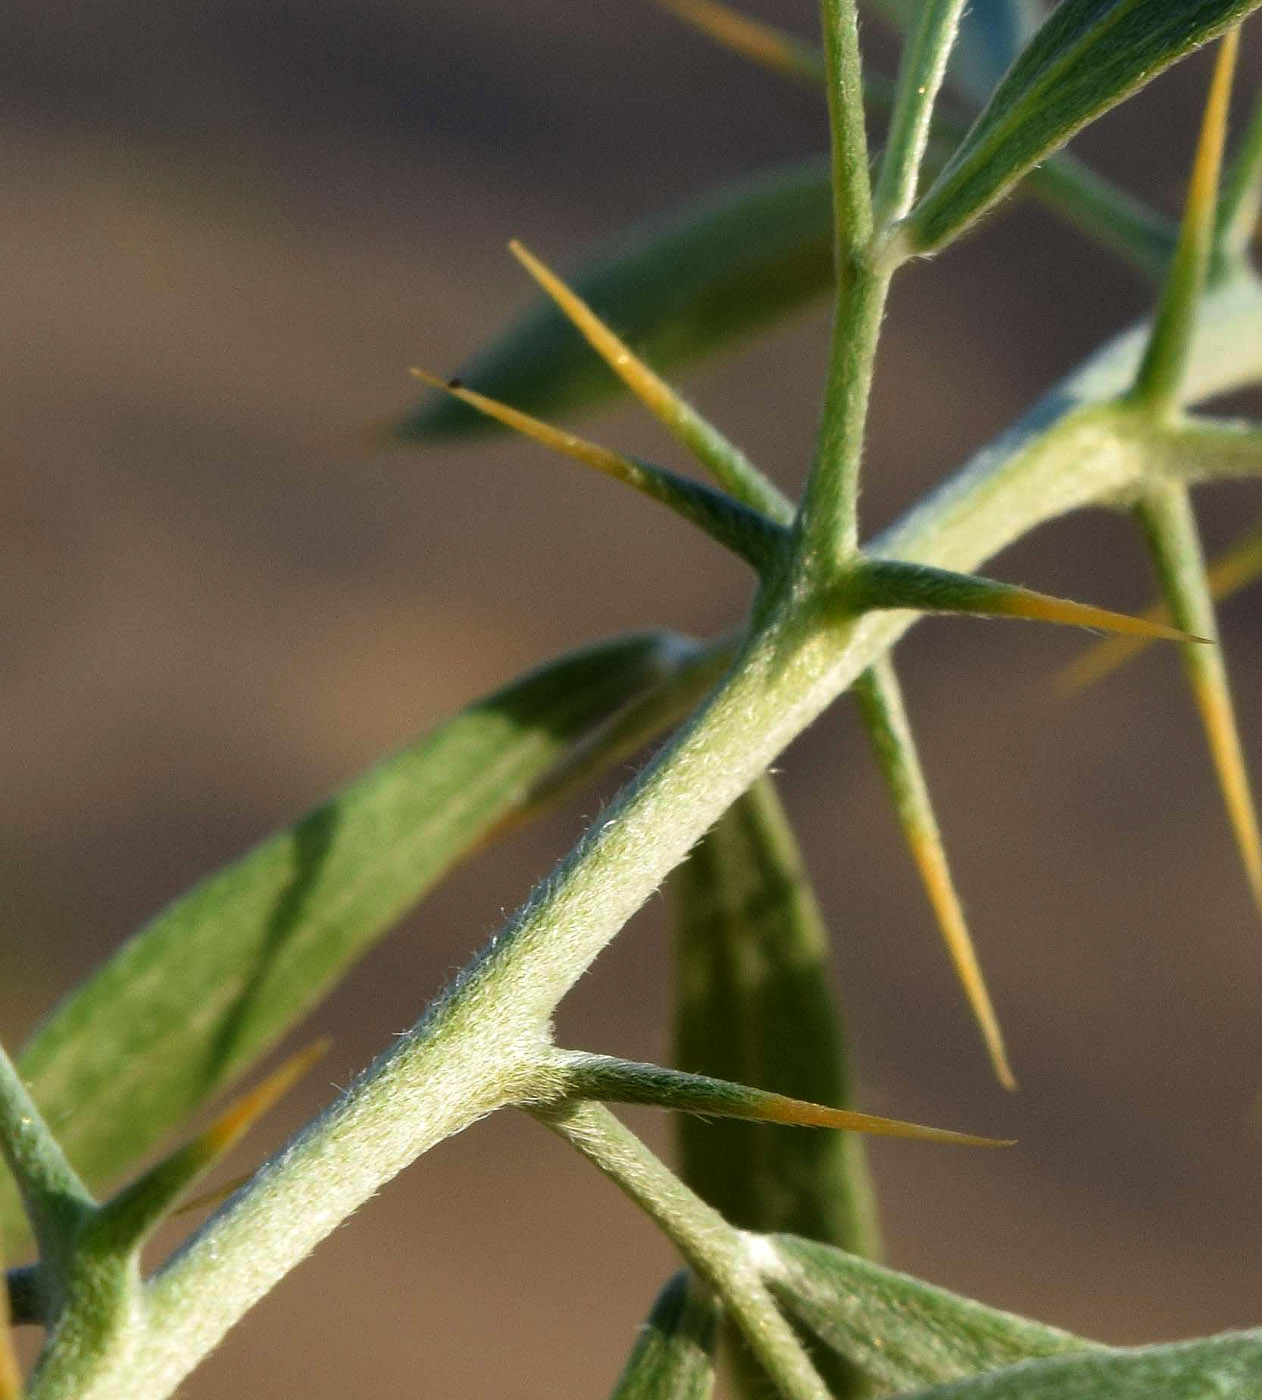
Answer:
[(885, 718), (736, 526), (1235, 568), (750, 38), (1165, 512), (722, 459)]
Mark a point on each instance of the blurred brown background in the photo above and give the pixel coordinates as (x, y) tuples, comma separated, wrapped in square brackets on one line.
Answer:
[(227, 228)]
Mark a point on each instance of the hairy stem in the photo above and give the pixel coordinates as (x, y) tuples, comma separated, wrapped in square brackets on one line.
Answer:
[(482, 1045), (715, 1249)]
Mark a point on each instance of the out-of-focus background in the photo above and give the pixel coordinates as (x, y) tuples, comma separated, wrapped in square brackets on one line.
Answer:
[(227, 229)]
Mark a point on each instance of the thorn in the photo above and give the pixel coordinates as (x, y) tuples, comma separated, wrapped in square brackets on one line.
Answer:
[(894, 583), (1213, 700), (885, 718), (123, 1224), (722, 459), (750, 38), (1238, 565), (1161, 372), (735, 526), (606, 1079), (239, 1117), (1041, 607), (1169, 523)]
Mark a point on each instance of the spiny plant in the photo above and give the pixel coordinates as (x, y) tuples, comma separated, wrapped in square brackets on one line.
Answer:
[(774, 1222)]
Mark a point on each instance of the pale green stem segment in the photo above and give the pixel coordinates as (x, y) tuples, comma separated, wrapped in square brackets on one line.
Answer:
[(726, 520), (673, 1357), (828, 518), (481, 1046), (1160, 378), (57, 1203), (723, 459), (1240, 200), (885, 718), (920, 77), (1165, 512), (712, 1247)]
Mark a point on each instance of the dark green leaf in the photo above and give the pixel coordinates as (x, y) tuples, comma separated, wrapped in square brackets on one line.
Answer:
[(755, 1005), (674, 1353), (897, 1330), (222, 973), (1227, 1367), (1087, 57), (674, 288)]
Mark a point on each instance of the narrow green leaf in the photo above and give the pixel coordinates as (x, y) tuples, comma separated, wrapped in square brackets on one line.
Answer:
[(735, 526), (55, 1201), (673, 1357), (1226, 1367), (1165, 512), (891, 583), (754, 1004), (899, 1331), (221, 974), (123, 1224), (1087, 57), (677, 288), (880, 701), (609, 1079)]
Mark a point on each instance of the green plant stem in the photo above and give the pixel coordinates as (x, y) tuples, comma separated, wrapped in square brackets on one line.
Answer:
[(919, 80), (57, 1203), (827, 519), (715, 1249), (481, 1045)]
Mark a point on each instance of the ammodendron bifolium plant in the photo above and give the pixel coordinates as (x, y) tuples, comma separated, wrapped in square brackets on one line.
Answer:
[(770, 1210)]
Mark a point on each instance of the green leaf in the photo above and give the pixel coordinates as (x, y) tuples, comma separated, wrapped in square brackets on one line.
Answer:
[(755, 1005), (676, 288), (674, 1353), (897, 1330), (223, 972), (1226, 1367), (1087, 57)]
